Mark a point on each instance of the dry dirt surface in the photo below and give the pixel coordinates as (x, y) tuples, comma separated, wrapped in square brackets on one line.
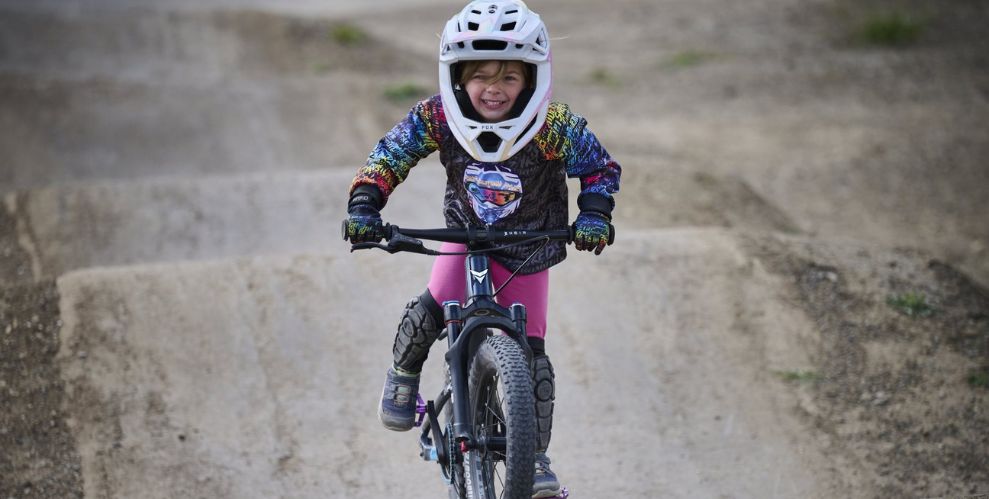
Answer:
[(796, 305)]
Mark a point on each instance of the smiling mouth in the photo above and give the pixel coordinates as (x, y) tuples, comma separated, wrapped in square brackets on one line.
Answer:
[(492, 104)]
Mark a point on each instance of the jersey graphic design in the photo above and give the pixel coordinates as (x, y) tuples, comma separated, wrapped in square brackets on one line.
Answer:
[(494, 191)]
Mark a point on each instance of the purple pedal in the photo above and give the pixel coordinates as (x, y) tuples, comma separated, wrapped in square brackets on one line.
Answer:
[(420, 410)]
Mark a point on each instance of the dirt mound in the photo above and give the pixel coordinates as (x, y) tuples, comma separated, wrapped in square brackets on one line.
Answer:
[(141, 42), (667, 196), (900, 375), (133, 93), (40, 457)]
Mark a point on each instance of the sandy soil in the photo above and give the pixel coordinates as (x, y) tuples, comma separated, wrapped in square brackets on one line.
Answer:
[(178, 319)]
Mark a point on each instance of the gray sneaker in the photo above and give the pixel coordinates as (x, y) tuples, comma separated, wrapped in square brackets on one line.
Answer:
[(398, 401), (545, 483)]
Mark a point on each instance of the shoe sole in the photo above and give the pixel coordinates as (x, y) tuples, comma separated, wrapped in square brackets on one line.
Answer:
[(395, 425), (548, 494)]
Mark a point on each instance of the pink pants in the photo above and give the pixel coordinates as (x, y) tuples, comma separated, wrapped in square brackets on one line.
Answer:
[(447, 282)]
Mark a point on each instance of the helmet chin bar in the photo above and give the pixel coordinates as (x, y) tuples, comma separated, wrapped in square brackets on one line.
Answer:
[(508, 142)]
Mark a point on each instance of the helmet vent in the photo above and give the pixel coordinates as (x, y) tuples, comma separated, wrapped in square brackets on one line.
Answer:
[(489, 141), (475, 12), (472, 26), (489, 45), (508, 26), (511, 11)]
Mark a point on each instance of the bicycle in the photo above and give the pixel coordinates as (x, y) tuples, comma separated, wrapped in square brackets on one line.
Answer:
[(485, 445)]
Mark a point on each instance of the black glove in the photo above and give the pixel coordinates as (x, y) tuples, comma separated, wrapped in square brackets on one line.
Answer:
[(363, 224), (592, 229)]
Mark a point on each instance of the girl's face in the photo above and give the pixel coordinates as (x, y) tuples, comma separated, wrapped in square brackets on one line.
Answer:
[(494, 97)]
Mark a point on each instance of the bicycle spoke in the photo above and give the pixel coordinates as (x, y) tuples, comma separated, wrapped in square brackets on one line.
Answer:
[(493, 424), (501, 481)]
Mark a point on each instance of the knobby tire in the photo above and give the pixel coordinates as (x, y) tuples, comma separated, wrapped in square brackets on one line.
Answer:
[(501, 405)]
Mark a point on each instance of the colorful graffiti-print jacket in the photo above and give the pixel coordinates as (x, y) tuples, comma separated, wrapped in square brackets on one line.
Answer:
[(528, 191)]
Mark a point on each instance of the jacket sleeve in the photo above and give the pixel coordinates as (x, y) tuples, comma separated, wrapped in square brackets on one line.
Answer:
[(412, 139), (565, 136)]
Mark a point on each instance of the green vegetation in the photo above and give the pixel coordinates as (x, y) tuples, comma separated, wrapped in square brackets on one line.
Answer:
[(912, 304), (405, 92), (603, 76), (687, 58), (347, 34), (799, 376), (979, 379), (893, 29), (320, 67)]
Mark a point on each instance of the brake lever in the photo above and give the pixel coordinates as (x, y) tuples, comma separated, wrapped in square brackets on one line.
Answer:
[(401, 242), (360, 246), (398, 242)]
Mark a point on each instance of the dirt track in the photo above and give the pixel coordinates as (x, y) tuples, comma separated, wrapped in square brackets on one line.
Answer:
[(178, 318)]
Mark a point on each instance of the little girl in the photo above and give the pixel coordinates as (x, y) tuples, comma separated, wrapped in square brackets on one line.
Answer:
[(507, 151)]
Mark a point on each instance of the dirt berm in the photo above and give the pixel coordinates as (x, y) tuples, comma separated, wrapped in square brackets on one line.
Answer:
[(796, 305)]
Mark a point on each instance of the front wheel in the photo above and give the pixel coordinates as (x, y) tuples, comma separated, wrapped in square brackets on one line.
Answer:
[(503, 416)]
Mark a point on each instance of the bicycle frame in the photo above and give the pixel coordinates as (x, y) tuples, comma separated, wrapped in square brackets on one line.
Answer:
[(467, 325)]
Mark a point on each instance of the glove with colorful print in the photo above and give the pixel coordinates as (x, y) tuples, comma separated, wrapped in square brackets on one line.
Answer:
[(364, 224), (592, 229)]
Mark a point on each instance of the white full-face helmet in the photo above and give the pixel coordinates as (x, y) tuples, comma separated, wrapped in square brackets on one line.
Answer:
[(495, 30)]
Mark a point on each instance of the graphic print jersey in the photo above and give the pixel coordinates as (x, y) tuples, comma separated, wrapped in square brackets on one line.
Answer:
[(527, 191)]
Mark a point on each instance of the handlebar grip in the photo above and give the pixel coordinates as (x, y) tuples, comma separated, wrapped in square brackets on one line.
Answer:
[(387, 230)]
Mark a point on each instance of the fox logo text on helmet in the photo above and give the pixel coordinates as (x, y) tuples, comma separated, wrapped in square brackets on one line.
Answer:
[(495, 30)]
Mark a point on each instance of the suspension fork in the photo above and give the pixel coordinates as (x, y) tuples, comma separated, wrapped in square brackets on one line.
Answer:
[(479, 289), (456, 359)]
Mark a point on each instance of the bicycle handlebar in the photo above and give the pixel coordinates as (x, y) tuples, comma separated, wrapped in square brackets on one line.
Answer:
[(400, 239), (480, 235)]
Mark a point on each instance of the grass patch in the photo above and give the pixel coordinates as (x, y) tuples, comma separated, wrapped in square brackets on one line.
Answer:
[(911, 304), (799, 376), (891, 29), (603, 76), (405, 92), (979, 379), (347, 34), (687, 59)]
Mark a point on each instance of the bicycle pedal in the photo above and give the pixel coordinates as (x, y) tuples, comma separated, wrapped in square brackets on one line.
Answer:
[(420, 410)]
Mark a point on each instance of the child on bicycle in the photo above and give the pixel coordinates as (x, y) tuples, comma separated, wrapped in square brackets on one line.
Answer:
[(507, 151)]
